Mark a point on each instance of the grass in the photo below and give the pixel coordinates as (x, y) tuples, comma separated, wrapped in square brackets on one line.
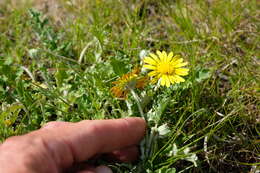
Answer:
[(58, 60)]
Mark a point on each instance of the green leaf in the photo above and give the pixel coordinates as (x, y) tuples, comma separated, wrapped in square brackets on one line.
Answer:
[(119, 67), (202, 75), (166, 170), (11, 112), (163, 130), (60, 75)]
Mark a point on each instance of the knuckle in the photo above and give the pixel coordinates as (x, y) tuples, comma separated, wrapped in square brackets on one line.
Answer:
[(21, 146), (23, 143), (50, 124), (94, 128), (54, 124), (126, 124), (28, 150), (11, 141)]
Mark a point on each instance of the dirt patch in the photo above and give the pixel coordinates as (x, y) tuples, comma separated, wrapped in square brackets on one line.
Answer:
[(52, 8)]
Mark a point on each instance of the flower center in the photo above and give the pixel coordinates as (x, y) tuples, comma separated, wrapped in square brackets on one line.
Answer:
[(165, 68)]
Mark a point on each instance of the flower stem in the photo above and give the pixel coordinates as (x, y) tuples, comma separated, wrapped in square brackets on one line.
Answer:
[(138, 102), (147, 138)]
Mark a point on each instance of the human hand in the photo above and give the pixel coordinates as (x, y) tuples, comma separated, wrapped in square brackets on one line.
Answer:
[(60, 146)]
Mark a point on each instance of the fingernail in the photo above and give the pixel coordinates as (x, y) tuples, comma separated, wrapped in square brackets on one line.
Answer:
[(103, 169)]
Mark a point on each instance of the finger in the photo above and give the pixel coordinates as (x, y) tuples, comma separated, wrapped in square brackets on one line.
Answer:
[(80, 167), (103, 169), (85, 171), (126, 155), (80, 141), (99, 169), (54, 124)]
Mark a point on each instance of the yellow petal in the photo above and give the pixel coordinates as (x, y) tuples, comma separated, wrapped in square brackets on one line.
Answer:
[(172, 79), (176, 57), (149, 67), (175, 79), (116, 91), (179, 60), (154, 80), (182, 71), (160, 55), (163, 82), (152, 73), (174, 61), (180, 64), (154, 57), (178, 79), (164, 55), (169, 60), (141, 82), (168, 82), (136, 71), (149, 60), (170, 55)]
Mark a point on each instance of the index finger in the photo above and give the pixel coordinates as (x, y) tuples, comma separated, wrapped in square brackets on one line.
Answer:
[(80, 141)]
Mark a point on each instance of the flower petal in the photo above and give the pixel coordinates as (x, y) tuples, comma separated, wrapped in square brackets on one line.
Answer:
[(178, 79), (182, 71), (154, 80), (136, 71), (150, 60), (155, 57), (170, 55), (168, 82), (176, 57), (172, 79), (160, 55), (152, 73), (163, 80), (178, 61), (151, 67), (117, 92), (180, 64), (141, 82), (164, 56)]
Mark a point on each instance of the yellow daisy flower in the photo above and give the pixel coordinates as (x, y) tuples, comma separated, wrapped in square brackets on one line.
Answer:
[(168, 69), (126, 82)]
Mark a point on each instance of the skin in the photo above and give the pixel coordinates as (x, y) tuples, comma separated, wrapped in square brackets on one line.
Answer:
[(63, 146)]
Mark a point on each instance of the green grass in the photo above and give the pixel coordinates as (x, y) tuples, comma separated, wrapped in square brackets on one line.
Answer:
[(45, 75)]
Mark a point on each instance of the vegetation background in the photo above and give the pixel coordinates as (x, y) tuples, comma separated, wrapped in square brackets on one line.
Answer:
[(59, 57)]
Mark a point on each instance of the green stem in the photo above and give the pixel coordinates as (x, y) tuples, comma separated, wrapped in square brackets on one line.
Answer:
[(128, 104), (138, 102), (147, 142)]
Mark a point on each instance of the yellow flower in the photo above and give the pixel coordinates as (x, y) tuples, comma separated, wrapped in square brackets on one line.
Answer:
[(168, 69), (126, 82)]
